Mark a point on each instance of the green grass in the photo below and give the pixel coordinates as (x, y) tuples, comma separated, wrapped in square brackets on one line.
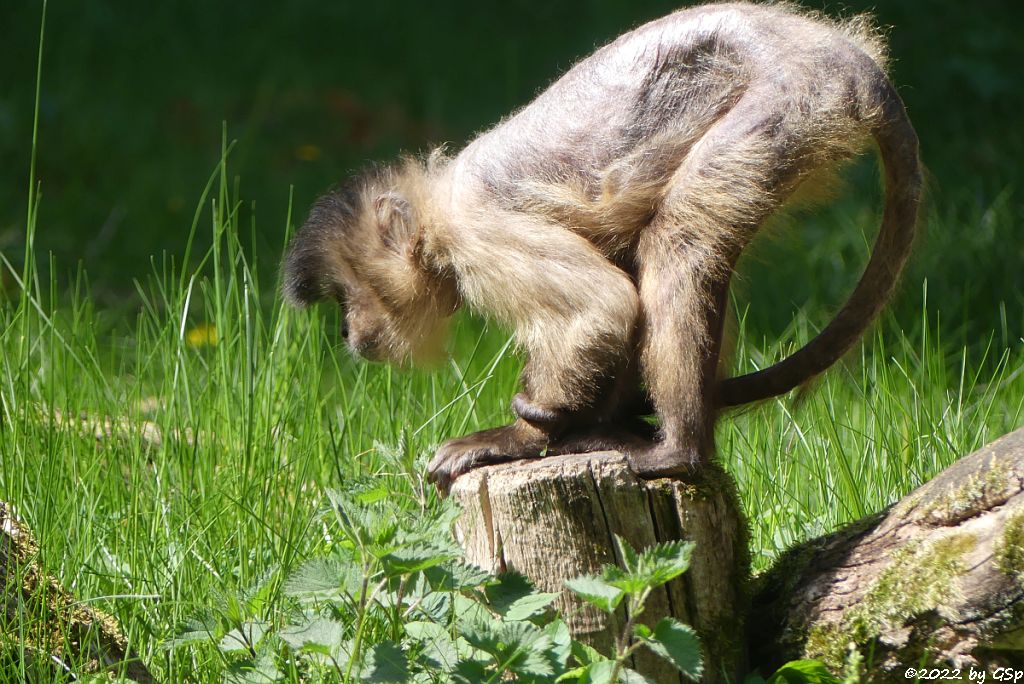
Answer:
[(254, 428)]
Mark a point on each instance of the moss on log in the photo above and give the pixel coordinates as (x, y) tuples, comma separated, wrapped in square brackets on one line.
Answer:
[(44, 631), (936, 579)]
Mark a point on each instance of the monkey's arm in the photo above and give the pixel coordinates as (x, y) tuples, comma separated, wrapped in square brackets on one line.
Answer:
[(572, 311)]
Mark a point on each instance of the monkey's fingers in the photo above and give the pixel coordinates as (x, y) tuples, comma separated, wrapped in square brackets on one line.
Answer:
[(458, 456)]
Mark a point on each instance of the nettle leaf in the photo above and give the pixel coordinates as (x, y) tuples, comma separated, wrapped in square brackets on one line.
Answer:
[(527, 646), (506, 590), (244, 637), (320, 578), (628, 676), (468, 610), (600, 672), (260, 671), (597, 592), (438, 647), (803, 672), (574, 675), (455, 576), (436, 605), (678, 644), (630, 559), (630, 583), (586, 655), (664, 562), (417, 556), (422, 630), (483, 634), (319, 635), (470, 672), (385, 663), (365, 525), (257, 596), (530, 605), (561, 641), (372, 495), (436, 523), (642, 631), (520, 646), (203, 627)]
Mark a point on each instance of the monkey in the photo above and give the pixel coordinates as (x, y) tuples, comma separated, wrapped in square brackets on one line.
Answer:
[(602, 223)]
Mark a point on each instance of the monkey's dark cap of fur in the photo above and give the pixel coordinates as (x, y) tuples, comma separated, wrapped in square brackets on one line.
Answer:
[(305, 279)]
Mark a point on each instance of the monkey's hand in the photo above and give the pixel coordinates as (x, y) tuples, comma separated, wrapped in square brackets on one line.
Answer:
[(497, 445)]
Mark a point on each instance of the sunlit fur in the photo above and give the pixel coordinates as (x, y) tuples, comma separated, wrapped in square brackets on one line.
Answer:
[(602, 222)]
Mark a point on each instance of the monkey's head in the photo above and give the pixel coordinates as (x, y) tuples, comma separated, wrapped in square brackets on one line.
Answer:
[(362, 246)]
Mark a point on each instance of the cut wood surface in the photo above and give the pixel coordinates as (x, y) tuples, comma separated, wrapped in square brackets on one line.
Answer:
[(41, 620), (935, 579), (554, 518)]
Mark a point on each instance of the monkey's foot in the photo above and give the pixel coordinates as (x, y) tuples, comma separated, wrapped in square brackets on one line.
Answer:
[(497, 445), (664, 460)]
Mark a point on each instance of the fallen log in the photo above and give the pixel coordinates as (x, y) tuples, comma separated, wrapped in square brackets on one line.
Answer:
[(44, 631), (936, 579)]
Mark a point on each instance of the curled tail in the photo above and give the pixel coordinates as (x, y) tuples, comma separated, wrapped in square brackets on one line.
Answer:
[(897, 143)]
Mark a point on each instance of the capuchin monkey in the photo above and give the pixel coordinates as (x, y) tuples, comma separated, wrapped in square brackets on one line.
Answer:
[(602, 223)]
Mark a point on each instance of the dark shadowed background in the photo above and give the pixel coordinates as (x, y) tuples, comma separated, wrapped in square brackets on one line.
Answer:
[(134, 96)]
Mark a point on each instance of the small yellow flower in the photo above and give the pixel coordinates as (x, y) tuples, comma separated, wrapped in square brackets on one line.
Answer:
[(307, 152), (202, 335)]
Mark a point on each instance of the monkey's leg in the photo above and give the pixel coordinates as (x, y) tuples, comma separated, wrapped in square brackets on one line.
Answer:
[(684, 303), (575, 314), (717, 199)]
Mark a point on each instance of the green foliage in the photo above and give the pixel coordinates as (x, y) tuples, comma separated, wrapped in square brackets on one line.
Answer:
[(676, 643), (633, 582), (391, 601), (799, 672), (597, 591)]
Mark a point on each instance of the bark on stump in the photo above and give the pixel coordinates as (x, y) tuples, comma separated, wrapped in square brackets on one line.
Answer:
[(938, 578), (554, 519), (42, 621)]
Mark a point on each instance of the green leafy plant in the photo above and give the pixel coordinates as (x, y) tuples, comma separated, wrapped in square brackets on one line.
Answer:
[(390, 600), (799, 672), (632, 585)]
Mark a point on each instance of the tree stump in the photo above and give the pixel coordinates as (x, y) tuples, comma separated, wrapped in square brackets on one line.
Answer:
[(554, 518), (41, 623), (938, 579)]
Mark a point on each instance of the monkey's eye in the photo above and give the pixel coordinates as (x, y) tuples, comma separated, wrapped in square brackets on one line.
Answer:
[(339, 295), (340, 298)]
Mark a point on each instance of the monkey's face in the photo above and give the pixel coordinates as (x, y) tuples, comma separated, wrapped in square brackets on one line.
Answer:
[(364, 323), (386, 315), (360, 247)]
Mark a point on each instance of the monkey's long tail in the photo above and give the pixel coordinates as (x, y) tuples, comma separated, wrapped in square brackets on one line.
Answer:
[(898, 146)]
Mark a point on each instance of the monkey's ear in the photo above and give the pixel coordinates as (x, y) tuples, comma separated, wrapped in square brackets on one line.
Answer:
[(395, 221)]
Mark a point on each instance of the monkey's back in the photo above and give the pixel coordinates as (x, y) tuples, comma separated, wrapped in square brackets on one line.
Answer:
[(637, 105)]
